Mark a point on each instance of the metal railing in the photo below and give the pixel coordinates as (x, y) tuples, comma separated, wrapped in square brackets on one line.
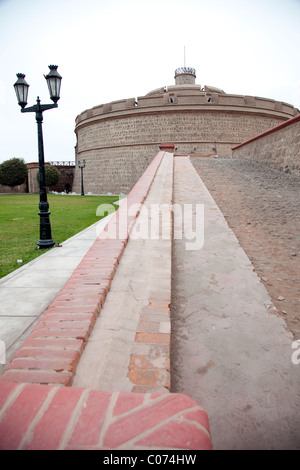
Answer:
[(62, 163), (182, 70)]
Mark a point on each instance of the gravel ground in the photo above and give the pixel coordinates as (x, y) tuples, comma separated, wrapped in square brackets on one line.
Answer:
[(262, 207)]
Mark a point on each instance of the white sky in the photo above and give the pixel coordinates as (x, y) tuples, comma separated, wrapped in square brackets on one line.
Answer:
[(108, 50)]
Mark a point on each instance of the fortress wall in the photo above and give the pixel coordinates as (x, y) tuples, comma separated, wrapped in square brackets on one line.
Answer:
[(278, 147), (113, 170), (22, 188), (117, 139), (117, 149), (193, 126), (66, 176)]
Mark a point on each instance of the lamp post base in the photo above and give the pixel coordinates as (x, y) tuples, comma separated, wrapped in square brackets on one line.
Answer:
[(46, 240), (45, 244)]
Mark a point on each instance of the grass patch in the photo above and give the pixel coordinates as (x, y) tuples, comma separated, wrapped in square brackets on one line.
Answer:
[(20, 223)]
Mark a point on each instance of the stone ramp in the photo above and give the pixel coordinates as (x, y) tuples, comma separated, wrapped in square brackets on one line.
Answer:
[(133, 331), (230, 351), (40, 409)]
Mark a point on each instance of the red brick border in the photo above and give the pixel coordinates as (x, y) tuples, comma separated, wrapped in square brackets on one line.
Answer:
[(38, 417)]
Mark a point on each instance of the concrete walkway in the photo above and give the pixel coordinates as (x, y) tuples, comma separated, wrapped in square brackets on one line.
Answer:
[(230, 350)]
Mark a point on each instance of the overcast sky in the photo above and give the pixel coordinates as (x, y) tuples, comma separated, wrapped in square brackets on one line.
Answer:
[(108, 50)]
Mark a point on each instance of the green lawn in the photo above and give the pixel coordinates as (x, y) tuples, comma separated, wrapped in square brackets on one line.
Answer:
[(20, 229)]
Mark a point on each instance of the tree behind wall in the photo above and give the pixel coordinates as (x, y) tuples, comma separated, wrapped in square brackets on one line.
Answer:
[(52, 176), (13, 172)]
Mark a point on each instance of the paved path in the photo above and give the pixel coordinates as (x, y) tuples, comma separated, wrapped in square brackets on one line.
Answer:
[(26, 293), (230, 350), (262, 207)]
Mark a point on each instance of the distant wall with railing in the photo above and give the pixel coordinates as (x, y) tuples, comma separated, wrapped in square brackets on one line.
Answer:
[(31, 185)]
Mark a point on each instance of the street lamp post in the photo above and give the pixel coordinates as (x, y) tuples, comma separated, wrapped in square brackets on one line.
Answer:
[(21, 89), (81, 166)]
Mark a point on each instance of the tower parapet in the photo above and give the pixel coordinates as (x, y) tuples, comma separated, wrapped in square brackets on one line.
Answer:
[(185, 76)]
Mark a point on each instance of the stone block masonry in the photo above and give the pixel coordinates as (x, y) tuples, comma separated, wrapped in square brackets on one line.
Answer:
[(117, 151), (113, 170), (279, 147)]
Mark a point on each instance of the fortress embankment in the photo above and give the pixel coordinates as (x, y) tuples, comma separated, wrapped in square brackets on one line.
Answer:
[(117, 140), (278, 147)]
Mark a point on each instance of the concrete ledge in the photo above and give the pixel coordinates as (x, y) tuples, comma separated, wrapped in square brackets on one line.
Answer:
[(38, 417), (129, 348)]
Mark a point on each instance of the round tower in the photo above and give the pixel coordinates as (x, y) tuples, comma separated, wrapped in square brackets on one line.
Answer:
[(185, 76), (118, 139)]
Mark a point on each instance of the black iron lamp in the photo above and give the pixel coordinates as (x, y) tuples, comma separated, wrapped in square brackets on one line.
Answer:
[(21, 89), (53, 81), (81, 166)]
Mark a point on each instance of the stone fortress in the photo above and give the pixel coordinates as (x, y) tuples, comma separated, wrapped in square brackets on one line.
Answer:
[(91, 357), (118, 139)]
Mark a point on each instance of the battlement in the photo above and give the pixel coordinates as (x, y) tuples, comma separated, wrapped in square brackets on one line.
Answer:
[(176, 98)]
